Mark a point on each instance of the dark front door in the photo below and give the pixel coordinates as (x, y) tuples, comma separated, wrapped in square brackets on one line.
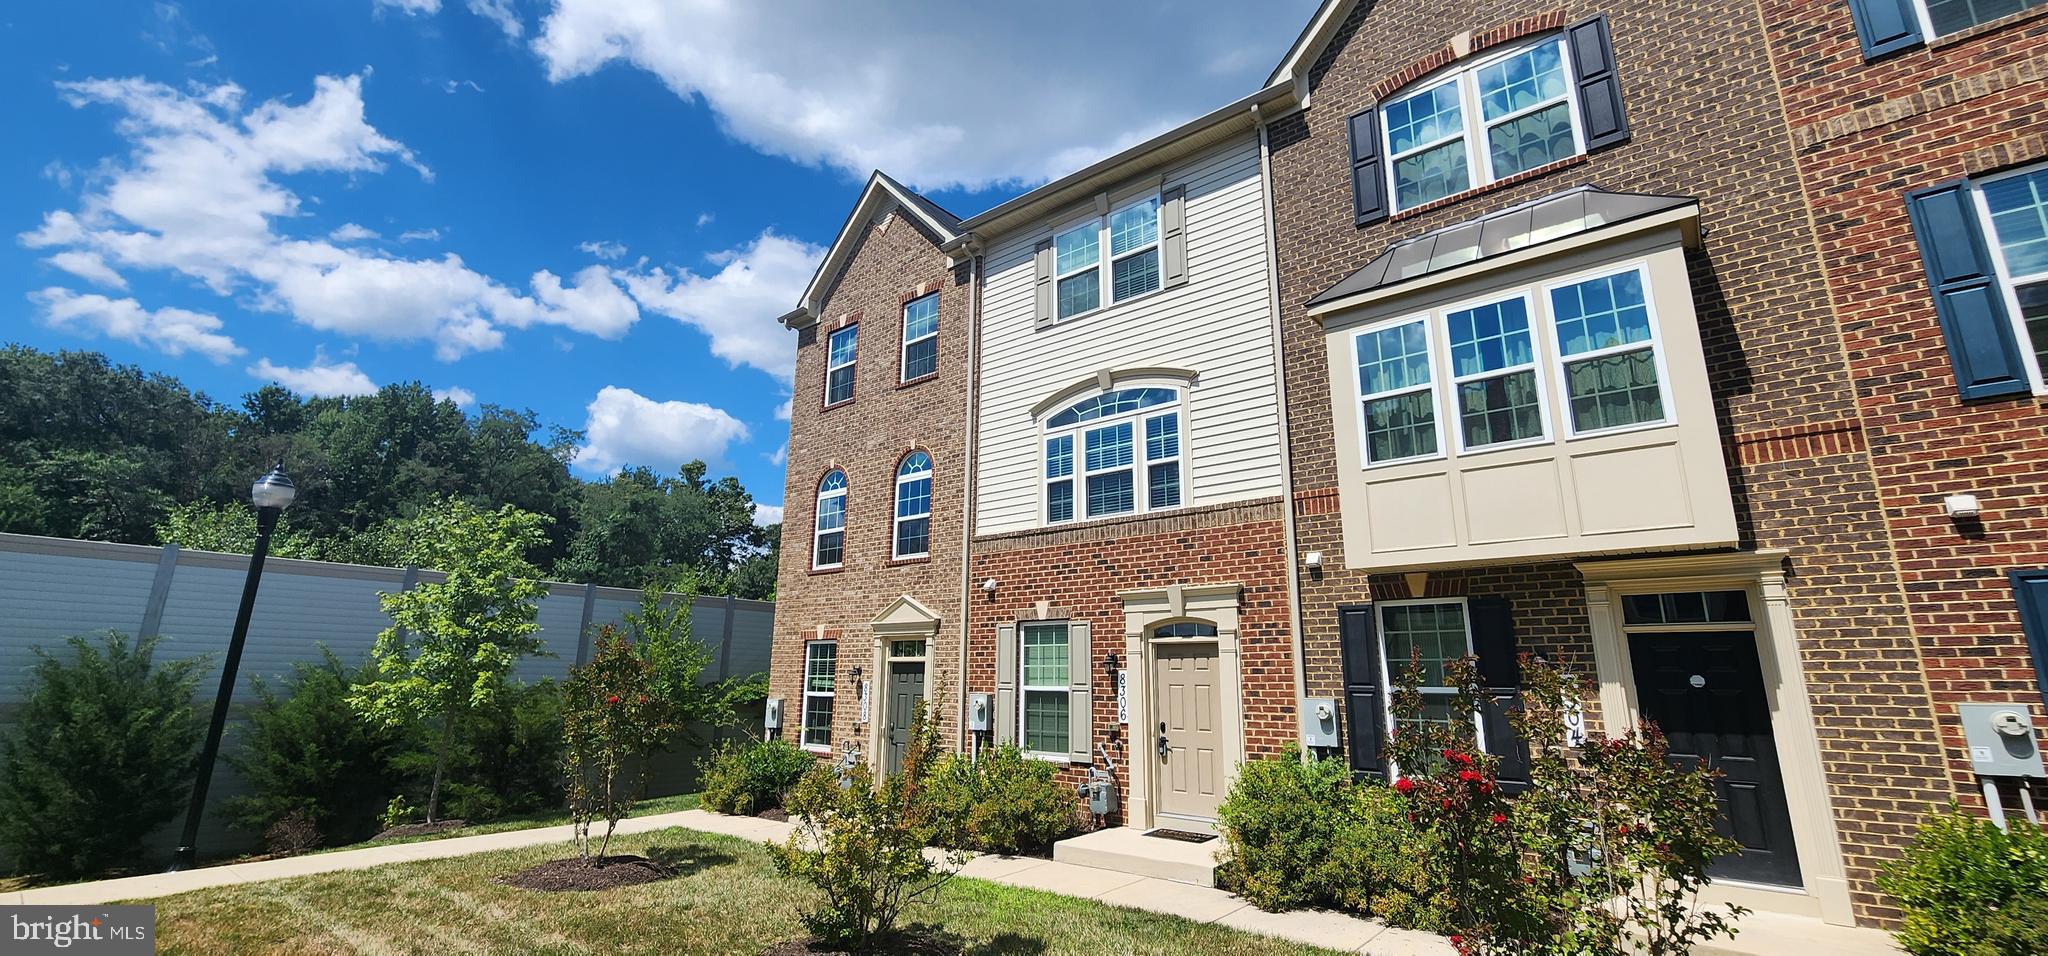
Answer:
[(1707, 693), (906, 690)]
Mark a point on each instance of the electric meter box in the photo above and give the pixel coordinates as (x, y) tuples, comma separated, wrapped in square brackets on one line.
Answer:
[(771, 718), (2001, 740), (980, 712), (1318, 722)]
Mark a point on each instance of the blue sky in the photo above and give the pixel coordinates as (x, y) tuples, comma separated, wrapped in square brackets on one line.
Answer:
[(591, 208)]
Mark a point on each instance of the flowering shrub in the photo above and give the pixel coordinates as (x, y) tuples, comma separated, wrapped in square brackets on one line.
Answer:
[(611, 722)]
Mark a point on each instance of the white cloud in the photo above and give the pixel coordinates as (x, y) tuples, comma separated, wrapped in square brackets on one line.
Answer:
[(788, 406), (765, 515), (168, 330), (420, 235), (501, 13), (780, 76), (457, 86), (457, 394), (88, 266), (350, 232), (199, 195), (780, 456), (603, 250), (737, 305), (625, 428), (321, 379), (410, 7), (705, 218)]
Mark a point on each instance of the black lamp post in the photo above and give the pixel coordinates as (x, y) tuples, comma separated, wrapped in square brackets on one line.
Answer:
[(271, 494)]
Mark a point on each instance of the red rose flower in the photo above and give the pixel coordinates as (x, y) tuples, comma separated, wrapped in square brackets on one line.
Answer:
[(1468, 775), (1622, 829), (1457, 940), (1500, 818), (1447, 803), (613, 699), (1485, 786), (1405, 785)]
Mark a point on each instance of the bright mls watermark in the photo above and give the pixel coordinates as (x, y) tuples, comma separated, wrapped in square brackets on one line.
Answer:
[(88, 930)]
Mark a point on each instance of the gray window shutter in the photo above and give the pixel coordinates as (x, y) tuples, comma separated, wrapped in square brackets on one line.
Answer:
[(1368, 182), (1599, 88), (1173, 236), (2030, 589), (1364, 702), (1967, 299), (1080, 696), (1885, 26), (1042, 264), (1006, 684), (1500, 673)]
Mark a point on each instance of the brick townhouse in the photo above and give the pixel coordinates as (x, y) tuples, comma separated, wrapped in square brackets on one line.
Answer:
[(1695, 347)]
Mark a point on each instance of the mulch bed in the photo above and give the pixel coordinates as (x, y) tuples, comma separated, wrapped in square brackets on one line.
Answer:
[(774, 813), (913, 941), (421, 829), (577, 873)]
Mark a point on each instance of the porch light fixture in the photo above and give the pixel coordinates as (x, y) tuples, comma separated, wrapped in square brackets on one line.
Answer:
[(1109, 664), (1962, 506), (1312, 560), (988, 586)]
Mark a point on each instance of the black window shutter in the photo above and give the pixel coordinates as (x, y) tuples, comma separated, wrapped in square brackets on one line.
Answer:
[(1885, 26), (1967, 300), (1500, 672), (1368, 182), (1599, 87), (1363, 703), (2030, 589)]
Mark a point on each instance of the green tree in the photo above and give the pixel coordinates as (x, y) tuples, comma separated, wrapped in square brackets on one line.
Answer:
[(637, 527), (453, 642), (231, 528), (308, 752)]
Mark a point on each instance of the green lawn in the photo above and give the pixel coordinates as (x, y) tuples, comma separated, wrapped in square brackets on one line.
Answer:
[(686, 801), (727, 900)]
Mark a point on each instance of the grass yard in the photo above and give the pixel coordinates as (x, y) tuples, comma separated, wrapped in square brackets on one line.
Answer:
[(726, 900), (648, 807)]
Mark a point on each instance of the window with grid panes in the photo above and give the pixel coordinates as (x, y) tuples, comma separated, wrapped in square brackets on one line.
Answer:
[(1043, 688)]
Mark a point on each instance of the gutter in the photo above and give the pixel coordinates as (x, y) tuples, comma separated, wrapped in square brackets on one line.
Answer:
[(1286, 440)]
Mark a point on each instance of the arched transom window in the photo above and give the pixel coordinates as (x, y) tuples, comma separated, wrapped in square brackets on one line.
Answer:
[(1116, 453), (828, 548), (913, 506)]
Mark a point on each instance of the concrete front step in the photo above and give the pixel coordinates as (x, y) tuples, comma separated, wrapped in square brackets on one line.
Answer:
[(1128, 850)]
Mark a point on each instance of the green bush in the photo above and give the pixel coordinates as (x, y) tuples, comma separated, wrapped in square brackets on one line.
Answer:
[(1004, 802), (102, 755), (1280, 822), (1374, 865), (1971, 889), (306, 754), (746, 778), (506, 758)]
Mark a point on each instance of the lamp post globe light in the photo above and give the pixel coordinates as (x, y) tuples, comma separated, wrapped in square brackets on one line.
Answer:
[(271, 494)]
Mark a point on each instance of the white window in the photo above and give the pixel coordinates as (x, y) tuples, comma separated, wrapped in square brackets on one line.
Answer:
[(829, 539), (1481, 122), (1116, 453), (1124, 243), (1943, 17), (2015, 212), (921, 337), (839, 356), (1397, 402), (1429, 635), (1596, 334), (913, 507), (821, 677), (1042, 700)]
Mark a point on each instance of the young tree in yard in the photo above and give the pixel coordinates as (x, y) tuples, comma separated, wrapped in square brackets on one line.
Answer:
[(452, 642)]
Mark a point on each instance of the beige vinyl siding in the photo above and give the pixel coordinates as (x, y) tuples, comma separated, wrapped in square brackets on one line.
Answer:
[(1217, 325)]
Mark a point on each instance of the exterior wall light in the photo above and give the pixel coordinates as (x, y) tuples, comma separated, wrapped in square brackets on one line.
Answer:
[(1962, 506), (1312, 560)]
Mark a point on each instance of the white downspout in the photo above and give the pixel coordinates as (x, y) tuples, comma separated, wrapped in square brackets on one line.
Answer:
[(967, 489), (1286, 445)]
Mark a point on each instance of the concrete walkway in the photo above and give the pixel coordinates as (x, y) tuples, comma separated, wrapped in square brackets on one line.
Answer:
[(1763, 934)]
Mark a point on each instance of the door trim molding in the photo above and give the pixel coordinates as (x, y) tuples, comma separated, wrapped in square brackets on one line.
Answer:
[(1761, 574), (1144, 610), (903, 619)]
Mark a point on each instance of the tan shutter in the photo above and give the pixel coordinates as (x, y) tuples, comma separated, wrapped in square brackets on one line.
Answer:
[(1080, 697), (1173, 237), (1042, 264), (1006, 684)]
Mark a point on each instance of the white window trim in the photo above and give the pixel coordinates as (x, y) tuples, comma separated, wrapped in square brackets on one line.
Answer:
[(903, 356), (2009, 284), (1140, 468), (818, 532), (1105, 264), (1388, 673), (1144, 454), (1361, 397), (1478, 156), (895, 507), (1659, 354), (849, 363), (804, 713), (1024, 691), (1456, 425), (1926, 20)]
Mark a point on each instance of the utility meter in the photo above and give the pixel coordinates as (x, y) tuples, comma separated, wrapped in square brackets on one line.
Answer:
[(980, 709), (771, 718), (2001, 740), (1319, 722)]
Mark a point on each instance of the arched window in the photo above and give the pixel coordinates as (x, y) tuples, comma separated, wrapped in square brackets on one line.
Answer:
[(828, 550), (1116, 453), (913, 506)]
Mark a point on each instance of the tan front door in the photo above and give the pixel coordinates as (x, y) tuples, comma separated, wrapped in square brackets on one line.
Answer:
[(1188, 693)]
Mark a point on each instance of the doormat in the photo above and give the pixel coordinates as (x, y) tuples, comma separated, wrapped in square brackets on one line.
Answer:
[(1181, 835)]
